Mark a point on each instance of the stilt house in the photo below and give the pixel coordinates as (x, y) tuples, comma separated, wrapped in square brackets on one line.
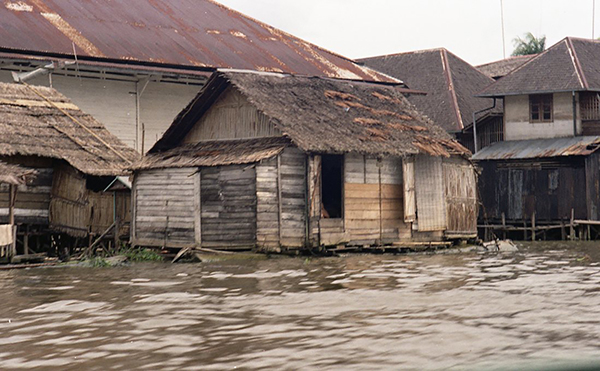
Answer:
[(273, 162), (74, 156), (546, 171)]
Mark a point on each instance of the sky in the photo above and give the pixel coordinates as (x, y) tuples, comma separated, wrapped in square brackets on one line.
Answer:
[(471, 29)]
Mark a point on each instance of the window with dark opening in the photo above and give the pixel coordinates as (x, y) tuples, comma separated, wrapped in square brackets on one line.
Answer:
[(331, 188), (540, 108)]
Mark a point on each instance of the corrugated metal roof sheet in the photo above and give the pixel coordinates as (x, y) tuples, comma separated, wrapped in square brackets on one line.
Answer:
[(194, 33), (539, 148)]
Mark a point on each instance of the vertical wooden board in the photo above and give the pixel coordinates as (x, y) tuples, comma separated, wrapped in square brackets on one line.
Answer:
[(231, 117), (515, 194), (592, 175), (429, 186), (198, 208), (314, 198), (410, 200), (461, 196)]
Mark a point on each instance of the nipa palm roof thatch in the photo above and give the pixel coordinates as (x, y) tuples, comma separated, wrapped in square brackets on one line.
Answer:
[(39, 121), (323, 115), (450, 84), (215, 153), (14, 174)]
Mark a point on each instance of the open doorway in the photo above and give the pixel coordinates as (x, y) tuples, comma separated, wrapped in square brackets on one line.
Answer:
[(332, 185)]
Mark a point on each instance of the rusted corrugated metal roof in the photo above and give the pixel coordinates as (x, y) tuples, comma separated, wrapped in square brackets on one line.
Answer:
[(539, 148), (194, 33)]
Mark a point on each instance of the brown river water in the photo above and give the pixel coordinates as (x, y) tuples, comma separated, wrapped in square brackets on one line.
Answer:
[(535, 309)]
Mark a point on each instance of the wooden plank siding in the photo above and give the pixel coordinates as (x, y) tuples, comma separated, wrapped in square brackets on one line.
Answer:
[(69, 207), (33, 200), (548, 187), (267, 206), (228, 201), (231, 117), (293, 198), (164, 208), (460, 185), (373, 200)]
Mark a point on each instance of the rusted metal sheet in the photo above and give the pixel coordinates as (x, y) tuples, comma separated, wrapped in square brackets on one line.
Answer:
[(539, 148), (193, 33)]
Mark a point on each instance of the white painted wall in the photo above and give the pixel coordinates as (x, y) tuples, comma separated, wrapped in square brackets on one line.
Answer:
[(518, 127), (114, 104)]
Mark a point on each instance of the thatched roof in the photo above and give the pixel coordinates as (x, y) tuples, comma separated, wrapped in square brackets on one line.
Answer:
[(215, 153), (324, 115), (30, 125), (450, 84), (14, 174)]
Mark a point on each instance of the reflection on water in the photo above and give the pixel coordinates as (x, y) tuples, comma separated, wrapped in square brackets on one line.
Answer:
[(356, 312)]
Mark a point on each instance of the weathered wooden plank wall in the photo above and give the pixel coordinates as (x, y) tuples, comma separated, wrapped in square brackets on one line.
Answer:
[(520, 188), (267, 206), (373, 200), (69, 205), (592, 173), (228, 195), (461, 196), (292, 173), (231, 117), (33, 200), (164, 207), (431, 200)]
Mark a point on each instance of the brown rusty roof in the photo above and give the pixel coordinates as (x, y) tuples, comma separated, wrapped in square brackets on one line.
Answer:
[(539, 148), (190, 33)]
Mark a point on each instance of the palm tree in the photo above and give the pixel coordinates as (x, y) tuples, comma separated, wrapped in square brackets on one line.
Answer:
[(529, 45)]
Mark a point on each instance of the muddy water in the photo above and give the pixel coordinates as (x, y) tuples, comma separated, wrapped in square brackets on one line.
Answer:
[(534, 308)]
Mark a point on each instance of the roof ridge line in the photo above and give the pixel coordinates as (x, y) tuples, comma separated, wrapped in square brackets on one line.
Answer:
[(577, 64), (451, 90)]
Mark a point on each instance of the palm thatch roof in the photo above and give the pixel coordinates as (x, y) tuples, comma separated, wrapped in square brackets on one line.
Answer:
[(215, 153), (324, 115), (14, 174), (39, 121)]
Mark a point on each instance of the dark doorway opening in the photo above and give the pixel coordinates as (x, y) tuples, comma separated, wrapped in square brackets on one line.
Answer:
[(332, 185)]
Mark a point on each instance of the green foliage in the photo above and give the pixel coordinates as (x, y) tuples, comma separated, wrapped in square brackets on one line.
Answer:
[(529, 45), (97, 262), (142, 255)]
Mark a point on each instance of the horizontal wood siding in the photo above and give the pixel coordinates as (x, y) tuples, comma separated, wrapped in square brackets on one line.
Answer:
[(33, 199), (461, 196), (293, 198), (267, 206), (373, 200), (228, 203), (231, 117), (164, 206)]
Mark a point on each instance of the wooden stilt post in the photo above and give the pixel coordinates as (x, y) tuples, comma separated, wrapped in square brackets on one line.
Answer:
[(26, 241), (524, 230), (503, 226), (533, 226), (12, 193), (572, 226), (563, 233)]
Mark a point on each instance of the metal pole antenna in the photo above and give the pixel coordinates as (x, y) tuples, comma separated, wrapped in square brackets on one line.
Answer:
[(593, 19), (502, 17)]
